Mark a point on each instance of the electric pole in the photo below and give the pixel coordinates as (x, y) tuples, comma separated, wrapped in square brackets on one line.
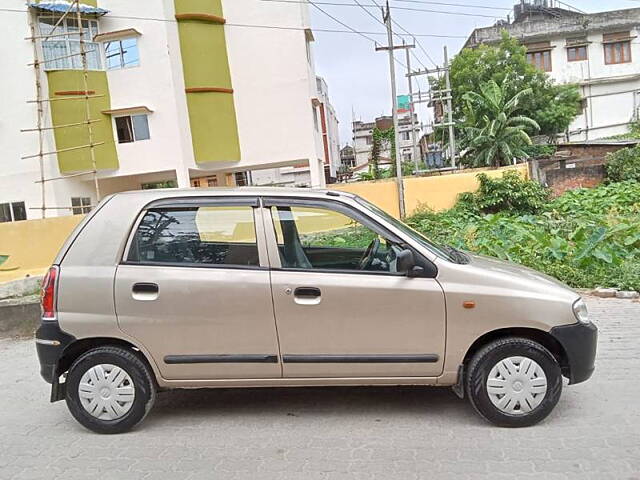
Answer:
[(452, 135), (416, 156), (445, 101), (386, 16)]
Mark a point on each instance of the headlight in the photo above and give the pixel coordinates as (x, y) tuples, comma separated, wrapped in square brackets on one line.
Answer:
[(580, 311)]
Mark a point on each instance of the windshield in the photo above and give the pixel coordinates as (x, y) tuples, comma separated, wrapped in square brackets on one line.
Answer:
[(442, 252)]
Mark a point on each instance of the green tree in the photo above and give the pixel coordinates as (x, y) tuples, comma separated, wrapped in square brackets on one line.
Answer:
[(551, 106), (493, 134)]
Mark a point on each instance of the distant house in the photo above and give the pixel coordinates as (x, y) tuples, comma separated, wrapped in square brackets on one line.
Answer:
[(599, 52)]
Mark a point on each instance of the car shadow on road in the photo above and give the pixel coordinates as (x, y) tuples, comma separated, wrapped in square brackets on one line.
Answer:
[(365, 402)]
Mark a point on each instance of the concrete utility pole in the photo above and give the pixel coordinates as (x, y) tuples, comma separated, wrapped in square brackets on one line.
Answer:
[(452, 134), (416, 156), (386, 16)]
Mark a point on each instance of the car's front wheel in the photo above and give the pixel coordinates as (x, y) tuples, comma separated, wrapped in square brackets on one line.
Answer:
[(513, 382), (109, 390)]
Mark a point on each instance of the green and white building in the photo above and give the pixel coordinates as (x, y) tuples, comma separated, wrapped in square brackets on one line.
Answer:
[(179, 90)]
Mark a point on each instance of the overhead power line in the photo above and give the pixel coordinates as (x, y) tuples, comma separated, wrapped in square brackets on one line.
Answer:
[(382, 23), (309, 2), (411, 9), (465, 5), (246, 25)]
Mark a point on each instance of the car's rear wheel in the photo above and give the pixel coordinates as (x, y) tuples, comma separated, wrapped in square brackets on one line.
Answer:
[(513, 382), (109, 390)]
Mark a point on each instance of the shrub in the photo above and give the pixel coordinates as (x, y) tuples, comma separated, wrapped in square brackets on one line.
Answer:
[(510, 193), (624, 165)]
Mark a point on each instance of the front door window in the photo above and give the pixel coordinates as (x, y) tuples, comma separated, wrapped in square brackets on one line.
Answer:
[(314, 238)]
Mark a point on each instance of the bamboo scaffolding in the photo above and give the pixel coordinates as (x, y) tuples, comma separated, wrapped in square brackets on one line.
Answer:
[(79, 174), (56, 99), (40, 101), (54, 127), (33, 64)]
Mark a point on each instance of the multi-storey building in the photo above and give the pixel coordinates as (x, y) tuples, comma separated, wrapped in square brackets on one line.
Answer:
[(177, 90), (599, 52), (363, 137), (325, 121)]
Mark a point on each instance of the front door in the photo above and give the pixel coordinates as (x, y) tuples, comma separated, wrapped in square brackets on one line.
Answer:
[(341, 308), (194, 290)]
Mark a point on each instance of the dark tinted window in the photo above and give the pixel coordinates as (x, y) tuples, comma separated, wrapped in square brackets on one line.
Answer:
[(19, 211), (196, 235)]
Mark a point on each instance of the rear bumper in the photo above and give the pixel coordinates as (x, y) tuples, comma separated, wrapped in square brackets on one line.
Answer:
[(580, 343), (50, 344)]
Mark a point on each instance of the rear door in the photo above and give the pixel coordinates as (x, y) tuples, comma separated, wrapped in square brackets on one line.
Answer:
[(194, 289), (342, 309)]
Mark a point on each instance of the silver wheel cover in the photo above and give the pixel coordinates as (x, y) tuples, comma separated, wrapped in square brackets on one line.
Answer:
[(106, 392), (516, 385)]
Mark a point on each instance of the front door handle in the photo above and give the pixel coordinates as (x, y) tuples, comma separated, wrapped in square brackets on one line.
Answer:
[(307, 292), (144, 291), (307, 295)]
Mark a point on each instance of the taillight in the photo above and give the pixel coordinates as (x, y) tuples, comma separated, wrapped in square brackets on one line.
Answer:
[(48, 296)]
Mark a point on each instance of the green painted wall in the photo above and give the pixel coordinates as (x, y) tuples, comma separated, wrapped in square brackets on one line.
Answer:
[(212, 115), (73, 111)]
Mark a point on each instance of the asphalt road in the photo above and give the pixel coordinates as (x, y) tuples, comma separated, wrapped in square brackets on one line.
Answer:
[(335, 433)]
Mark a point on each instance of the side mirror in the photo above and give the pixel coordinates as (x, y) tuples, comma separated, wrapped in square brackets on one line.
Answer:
[(406, 263)]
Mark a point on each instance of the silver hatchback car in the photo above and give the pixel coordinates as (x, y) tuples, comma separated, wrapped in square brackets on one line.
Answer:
[(290, 287)]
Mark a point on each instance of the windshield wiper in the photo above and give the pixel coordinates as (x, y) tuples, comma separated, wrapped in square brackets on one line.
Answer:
[(456, 255)]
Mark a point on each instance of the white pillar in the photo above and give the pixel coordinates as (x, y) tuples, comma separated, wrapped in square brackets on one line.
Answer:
[(316, 171), (182, 177)]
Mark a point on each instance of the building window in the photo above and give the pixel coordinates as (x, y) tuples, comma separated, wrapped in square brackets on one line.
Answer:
[(315, 118), (369, 139), (617, 48), (63, 52), (122, 53), (242, 179), (81, 205), (541, 59), (12, 212), (132, 128), (212, 182), (577, 53), (405, 135)]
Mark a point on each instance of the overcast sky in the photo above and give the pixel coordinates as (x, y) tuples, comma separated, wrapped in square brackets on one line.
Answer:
[(358, 76)]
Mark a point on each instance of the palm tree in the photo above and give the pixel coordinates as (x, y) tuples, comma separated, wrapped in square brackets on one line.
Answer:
[(491, 133)]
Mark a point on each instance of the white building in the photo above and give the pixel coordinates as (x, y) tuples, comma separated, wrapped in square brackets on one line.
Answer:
[(599, 52), (325, 121), (178, 90), (363, 137)]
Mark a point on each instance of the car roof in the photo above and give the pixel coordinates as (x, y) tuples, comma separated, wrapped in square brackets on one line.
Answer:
[(237, 191)]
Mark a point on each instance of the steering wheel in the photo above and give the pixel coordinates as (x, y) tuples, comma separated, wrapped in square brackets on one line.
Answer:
[(369, 254)]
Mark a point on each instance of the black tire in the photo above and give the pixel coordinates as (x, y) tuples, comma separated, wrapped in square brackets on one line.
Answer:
[(487, 357), (145, 392)]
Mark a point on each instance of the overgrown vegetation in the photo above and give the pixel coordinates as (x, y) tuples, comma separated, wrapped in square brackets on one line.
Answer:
[(624, 165), (585, 238)]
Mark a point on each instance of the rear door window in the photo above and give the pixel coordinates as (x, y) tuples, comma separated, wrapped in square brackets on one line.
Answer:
[(199, 235)]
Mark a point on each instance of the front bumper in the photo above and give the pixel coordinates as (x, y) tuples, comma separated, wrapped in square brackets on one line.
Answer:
[(579, 341)]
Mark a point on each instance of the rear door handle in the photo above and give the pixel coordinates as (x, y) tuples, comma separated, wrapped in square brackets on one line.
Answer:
[(145, 291), (307, 295)]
